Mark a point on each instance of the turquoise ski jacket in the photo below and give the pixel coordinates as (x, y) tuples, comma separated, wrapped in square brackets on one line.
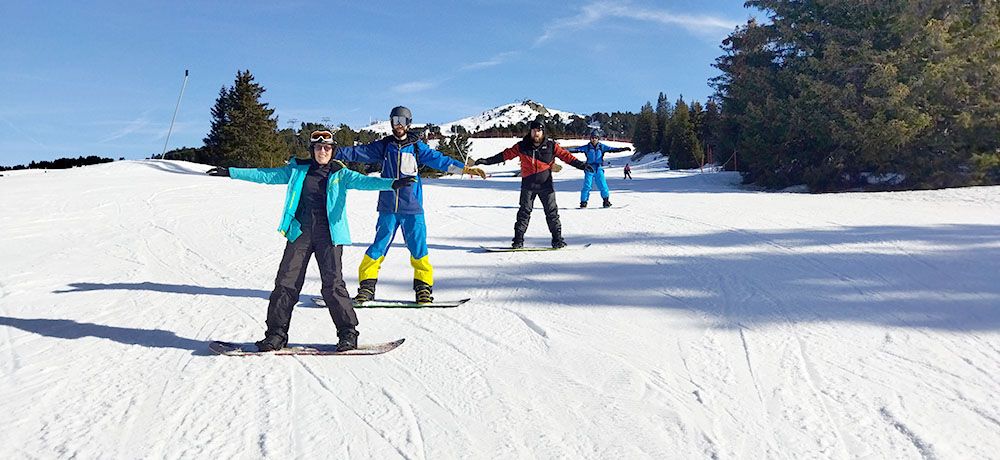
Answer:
[(294, 175)]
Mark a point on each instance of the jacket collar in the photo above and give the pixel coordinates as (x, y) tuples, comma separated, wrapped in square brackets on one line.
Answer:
[(530, 144), (410, 139)]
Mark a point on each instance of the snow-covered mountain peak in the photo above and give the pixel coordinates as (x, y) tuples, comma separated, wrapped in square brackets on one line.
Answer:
[(496, 117)]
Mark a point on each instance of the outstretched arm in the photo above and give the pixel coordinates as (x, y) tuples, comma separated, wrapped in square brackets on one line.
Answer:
[(508, 154), (567, 157), (437, 160), (355, 180), (365, 153), (607, 149), (429, 157), (262, 175)]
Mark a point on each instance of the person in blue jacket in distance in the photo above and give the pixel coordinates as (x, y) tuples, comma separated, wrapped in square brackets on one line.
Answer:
[(315, 223), (595, 151), (401, 155)]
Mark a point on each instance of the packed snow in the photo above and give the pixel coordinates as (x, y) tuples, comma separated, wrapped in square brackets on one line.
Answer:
[(704, 321)]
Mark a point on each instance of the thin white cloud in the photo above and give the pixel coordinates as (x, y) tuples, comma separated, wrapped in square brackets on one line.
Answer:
[(131, 127), (598, 11), (414, 87), (491, 62), (26, 135), (420, 86)]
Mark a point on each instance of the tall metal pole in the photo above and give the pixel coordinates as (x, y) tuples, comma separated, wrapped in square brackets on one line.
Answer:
[(169, 130)]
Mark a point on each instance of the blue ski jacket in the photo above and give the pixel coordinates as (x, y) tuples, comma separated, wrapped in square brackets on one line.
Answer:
[(595, 154), (401, 159), (294, 175)]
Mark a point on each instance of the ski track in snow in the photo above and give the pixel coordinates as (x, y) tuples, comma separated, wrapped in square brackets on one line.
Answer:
[(704, 321)]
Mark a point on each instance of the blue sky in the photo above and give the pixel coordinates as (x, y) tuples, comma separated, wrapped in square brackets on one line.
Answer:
[(103, 78)]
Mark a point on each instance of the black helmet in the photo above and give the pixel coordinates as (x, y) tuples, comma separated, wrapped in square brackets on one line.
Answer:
[(403, 113), (535, 124)]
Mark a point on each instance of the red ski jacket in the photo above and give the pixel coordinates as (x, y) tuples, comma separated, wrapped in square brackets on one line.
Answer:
[(536, 161)]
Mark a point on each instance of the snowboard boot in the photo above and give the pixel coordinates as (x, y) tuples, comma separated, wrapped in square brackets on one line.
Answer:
[(423, 292), (518, 242), (366, 291), (348, 339), (272, 341), (583, 204), (558, 242), (607, 203)]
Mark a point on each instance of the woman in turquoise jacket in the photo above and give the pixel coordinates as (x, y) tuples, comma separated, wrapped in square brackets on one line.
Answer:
[(315, 222)]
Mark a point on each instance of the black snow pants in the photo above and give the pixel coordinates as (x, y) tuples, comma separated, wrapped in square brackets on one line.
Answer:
[(527, 202), (292, 274)]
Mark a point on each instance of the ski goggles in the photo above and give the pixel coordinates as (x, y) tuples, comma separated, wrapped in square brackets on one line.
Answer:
[(399, 121), (321, 137)]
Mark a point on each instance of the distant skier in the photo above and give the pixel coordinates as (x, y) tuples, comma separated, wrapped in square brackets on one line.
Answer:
[(537, 153), (314, 222), (595, 151), (628, 171), (401, 155)]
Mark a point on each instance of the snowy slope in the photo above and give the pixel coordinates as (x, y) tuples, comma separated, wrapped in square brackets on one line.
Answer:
[(502, 116), (705, 321)]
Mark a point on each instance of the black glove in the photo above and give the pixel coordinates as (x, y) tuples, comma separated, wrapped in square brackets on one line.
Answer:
[(588, 168), (221, 171), (626, 149), (404, 182), (480, 161)]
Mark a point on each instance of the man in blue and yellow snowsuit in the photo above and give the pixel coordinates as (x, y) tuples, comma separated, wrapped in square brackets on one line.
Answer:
[(401, 156), (595, 151)]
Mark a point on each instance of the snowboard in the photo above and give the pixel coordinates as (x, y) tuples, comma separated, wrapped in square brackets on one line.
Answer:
[(614, 206), (377, 303), (568, 247), (249, 349)]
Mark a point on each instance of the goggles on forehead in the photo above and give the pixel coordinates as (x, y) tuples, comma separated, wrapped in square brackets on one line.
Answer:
[(321, 137), (399, 121)]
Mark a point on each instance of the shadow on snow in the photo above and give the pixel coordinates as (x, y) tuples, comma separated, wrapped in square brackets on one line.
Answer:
[(941, 277), (69, 329)]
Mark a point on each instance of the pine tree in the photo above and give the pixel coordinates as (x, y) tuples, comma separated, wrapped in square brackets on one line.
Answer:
[(242, 131), (709, 132), (830, 93), (218, 136), (644, 138), (663, 111), (344, 136), (685, 150)]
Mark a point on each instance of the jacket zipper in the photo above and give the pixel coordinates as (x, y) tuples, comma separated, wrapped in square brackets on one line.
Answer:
[(399, 162)]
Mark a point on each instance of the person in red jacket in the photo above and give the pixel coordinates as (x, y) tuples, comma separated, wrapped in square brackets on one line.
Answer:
[(537, 153)]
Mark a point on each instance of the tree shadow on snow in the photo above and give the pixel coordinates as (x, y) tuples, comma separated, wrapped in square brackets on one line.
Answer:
[(171, 167), (176, 289), (71, 330), (163, 287), (687, 181), (940, 276), (305, 299)]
